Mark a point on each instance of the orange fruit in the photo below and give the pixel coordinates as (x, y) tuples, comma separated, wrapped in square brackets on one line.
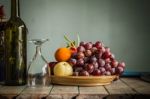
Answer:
[(62, 54)]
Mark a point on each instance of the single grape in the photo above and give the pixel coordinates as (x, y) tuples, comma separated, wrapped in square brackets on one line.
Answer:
[(98, 55), (83, 73), (107, 73), (74, 55), (80, 62), (103, 49), (106, 54), (93, 50), (72, 61), (101, 62), (121, 64), (107, 67), (89, 68), (88, 46), (86, 59), (93, 59), (112, 57), (113, 71), (107, 49), (80, 55), (82, 43), (80, 49), (102, 69), (107, 60), (88, 53), (119, 70), (95, 64), (114, 63), (96, 72), (98, 44)]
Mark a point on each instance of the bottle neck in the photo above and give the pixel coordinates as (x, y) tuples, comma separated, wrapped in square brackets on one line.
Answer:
[(15, 10)]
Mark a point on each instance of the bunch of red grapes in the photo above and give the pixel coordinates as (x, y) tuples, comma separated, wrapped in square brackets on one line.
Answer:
[(95, 59)]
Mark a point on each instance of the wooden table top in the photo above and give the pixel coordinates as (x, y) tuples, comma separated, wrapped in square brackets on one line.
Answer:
[(126, 88)]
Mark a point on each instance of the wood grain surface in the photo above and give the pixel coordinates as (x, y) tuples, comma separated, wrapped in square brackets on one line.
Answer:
[(123, 88)]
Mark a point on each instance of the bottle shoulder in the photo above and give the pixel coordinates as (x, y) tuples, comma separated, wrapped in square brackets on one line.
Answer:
[(15, 22)]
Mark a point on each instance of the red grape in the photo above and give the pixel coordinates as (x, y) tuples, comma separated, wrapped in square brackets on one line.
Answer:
[(103, 49), (95, 64), (93, 59), (86, 59), (98, 55), (83, 73), (80, 49), (82, 43), (98, 44), (107, 73), (102, 69), (106, 55), (107, 60), (80, 62), (112, 57), (114, 63), (74, 55), (93, 50), (107, 67), (96, 72), (72, 61), (80, 55), (121, 64), (107, 49), (119, 69), (101, 62), (88, 46), (89, 67), (113, 71), (88, 53)]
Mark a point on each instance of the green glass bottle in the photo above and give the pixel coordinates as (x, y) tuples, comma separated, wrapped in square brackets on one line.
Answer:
[(2, 26), (15, 40)]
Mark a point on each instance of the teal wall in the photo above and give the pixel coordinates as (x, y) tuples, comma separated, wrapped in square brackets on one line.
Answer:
[(123, 25)]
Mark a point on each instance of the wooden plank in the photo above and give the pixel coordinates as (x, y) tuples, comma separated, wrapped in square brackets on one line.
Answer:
[(118, 87), (136, 82), (63, 92), (10, 91), (35, 92), (95, 92), (13, 90), (138, 85)]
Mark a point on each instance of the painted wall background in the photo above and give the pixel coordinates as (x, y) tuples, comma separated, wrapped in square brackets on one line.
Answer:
[(122, 25)]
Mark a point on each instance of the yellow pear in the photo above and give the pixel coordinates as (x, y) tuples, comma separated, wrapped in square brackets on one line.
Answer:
[(63, 69)]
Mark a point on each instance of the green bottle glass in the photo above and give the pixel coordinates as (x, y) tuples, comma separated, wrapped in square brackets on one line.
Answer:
[(2, 26), (15, 40)]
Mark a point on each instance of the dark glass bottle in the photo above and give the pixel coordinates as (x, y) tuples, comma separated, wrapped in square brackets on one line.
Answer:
[(15, 39), (2, 25)]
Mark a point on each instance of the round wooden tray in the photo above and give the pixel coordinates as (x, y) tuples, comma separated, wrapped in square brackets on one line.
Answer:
[(83, 80)]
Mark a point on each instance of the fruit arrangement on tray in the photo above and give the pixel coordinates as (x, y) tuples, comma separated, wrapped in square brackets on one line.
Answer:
[(85, 60)]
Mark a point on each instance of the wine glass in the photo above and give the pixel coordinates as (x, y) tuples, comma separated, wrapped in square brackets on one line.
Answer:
[(38, 69)]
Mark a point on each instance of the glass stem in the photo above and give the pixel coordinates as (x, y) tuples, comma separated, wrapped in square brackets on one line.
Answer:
[(38, 49)]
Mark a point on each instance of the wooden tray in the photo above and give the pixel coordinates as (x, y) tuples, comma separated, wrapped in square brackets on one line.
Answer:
[(83, 80)]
